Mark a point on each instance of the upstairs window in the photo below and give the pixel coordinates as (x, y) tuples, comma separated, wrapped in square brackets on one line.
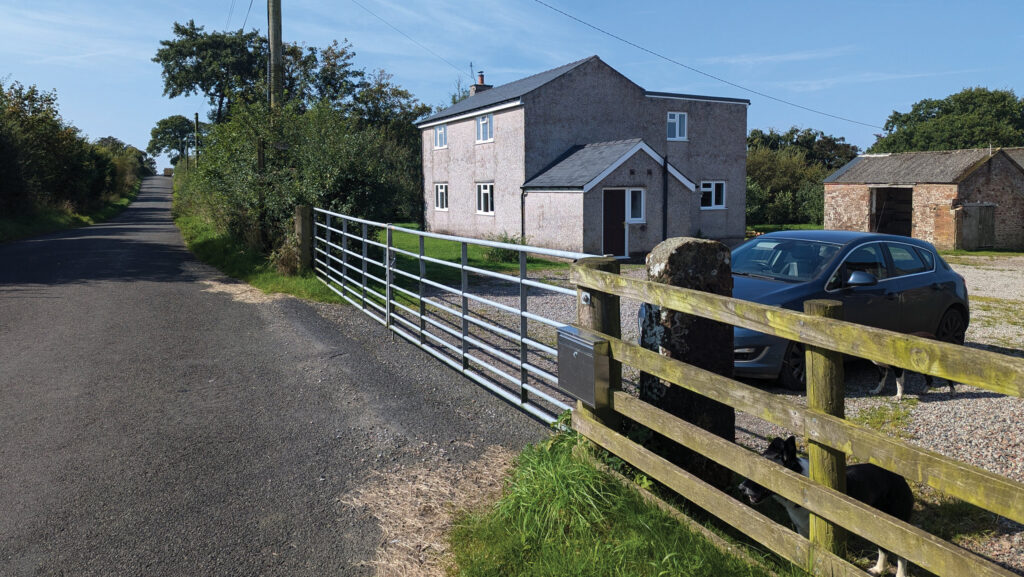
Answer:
[(485, 198), (485, 128), (676, 126), (441, 196), (441, 136), (712, 194)]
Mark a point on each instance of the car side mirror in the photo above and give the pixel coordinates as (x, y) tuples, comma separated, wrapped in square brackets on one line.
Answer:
[(861, 278)]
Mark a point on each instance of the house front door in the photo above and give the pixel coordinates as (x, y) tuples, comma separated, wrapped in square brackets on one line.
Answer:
[(615, 222)]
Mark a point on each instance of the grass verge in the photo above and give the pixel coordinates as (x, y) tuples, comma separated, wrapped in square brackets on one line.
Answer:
[(560, 515), (765, 228), (238, 261), (49, 220)]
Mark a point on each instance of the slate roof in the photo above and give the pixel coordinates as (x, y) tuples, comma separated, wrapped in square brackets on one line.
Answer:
[(1017, 154), (581, 164), (505, 92), (946, 166)]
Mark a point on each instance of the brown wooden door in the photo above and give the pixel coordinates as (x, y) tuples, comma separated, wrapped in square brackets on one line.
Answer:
[(615, 222)]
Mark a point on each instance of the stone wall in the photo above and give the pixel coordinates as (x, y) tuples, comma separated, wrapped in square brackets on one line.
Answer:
[(847, 206), (1000, 182), (933, 216)]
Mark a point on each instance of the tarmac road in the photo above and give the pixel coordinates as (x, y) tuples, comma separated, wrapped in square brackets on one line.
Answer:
[(156, 420)]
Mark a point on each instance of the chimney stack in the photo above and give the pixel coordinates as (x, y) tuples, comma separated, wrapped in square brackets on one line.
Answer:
[(479, 86)]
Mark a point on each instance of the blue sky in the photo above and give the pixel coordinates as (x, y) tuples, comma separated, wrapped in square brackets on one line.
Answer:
[(859, 59)]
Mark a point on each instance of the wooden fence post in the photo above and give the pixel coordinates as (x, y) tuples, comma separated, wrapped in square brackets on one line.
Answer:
[(599, 312), (304, 232), (825, 393)]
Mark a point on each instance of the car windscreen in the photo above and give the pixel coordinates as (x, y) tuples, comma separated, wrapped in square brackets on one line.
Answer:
[(783, 259)]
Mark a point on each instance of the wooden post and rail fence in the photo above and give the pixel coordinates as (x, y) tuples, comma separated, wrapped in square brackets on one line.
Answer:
[(830, 437)]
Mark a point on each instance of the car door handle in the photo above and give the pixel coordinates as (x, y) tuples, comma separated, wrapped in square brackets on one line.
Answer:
[(936, 286), (892, 295)]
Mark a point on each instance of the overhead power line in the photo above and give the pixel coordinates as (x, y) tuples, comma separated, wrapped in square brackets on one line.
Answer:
[(701, 72), (249, 9), (231, 11), (411, 39)]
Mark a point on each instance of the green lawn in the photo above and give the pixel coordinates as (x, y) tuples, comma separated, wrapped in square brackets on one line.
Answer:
[(765, 228), (451, 251)]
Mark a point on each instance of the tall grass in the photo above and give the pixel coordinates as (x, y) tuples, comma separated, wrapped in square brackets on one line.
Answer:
[(560, 515)]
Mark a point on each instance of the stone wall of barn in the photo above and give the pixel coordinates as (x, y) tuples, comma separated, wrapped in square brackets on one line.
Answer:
[(999, 182), (847, 206), (933, 215)]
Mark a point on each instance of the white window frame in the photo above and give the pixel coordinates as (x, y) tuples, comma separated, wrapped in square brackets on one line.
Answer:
[(485, 122), (441, 192), (485, 190), (630, 217), (677, 118), (709, 186), (440, 136)]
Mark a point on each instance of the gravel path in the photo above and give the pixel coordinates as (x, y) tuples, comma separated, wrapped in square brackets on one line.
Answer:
[(973, 425)]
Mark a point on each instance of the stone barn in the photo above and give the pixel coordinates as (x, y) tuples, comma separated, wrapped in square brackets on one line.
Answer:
[(956, 199)]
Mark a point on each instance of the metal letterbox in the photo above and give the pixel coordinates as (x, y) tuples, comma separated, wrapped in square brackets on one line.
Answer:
[(583, 365)]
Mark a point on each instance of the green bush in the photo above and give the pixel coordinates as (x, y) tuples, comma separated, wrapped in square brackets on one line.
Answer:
[(503, 255), (323, 157), (46, 164)]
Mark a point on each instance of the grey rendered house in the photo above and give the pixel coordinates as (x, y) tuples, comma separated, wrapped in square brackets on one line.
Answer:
[(580, 158)]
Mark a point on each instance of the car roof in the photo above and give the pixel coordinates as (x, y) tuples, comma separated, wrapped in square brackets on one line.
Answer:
[(844, 237)]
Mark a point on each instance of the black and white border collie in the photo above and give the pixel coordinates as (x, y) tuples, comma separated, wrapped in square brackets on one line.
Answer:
[(872, 485)]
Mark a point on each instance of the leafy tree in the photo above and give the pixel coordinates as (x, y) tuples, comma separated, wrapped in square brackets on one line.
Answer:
[(819, 148), (230, 67), (174, 134), (785, 171), (781, 183), (972, 118), (218, 65), (461, 93)]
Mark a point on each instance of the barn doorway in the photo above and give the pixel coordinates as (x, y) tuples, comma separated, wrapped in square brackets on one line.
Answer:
[(892, 210)]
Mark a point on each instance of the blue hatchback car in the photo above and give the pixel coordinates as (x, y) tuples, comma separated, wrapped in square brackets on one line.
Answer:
[(885, 281)]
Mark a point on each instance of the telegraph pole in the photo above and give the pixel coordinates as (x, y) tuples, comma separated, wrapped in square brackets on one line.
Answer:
[(276, 68)]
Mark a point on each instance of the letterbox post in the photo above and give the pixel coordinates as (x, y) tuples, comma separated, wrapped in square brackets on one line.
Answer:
[(825, 393), (599, 312)]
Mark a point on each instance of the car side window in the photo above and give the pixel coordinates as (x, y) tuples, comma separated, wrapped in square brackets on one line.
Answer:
[(905, 259), (868, 258), (927, 257)]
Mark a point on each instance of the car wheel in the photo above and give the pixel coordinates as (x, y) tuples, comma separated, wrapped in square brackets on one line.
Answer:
[(794, 368), (952, 327)]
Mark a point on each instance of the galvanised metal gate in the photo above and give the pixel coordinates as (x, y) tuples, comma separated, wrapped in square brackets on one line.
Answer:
[(452, 307)]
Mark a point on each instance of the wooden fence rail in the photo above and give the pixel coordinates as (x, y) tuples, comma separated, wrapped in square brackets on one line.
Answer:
[(983, 369)]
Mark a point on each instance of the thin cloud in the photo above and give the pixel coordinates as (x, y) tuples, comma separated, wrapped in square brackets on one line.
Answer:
[(762, 59), (818, 84), (70, 38)]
